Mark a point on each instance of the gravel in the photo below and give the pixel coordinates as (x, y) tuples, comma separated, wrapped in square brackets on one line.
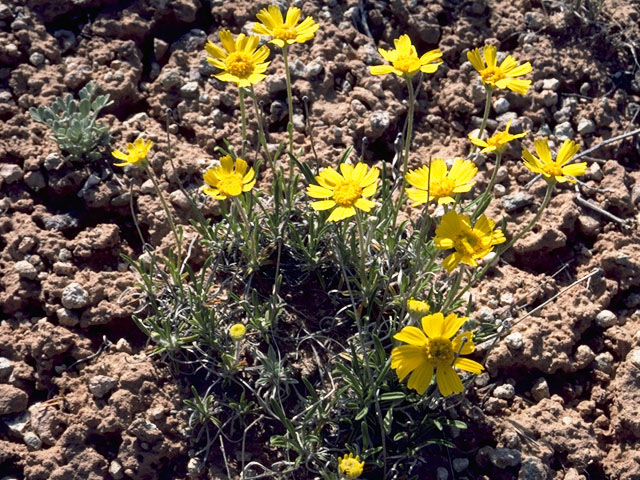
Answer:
[(10, 173), (506, 391), (505, 457), (32, 441), (532, 469), (60, 222), (516, 201), (540, 389), (564, 131), (606, 319), (6, 367), (460, 464), (100, 385), (75, 296), (26, 270), (586, 126), (12, 400), (514, 341), (501, 105)]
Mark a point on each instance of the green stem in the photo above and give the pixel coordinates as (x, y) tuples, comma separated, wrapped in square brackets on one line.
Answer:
[(407, 147), (494, 175), (485, 116), (243, 115), (167, 212), (522, 233), (262, 135), (362, 249), (247, 225), (285, 52)]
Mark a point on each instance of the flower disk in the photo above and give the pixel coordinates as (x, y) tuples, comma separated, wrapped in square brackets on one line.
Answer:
[(405, 61), (345, 191), (240, 60), (496, 142), (432, 347), (350, 466), (136, 153), (470, 243), (500, 76), (285, 31), (417, 307), (436, 183), (228, 180), (558, 170), (237, 331)]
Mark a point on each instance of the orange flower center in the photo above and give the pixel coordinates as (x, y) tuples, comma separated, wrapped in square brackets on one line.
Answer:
[(491, 75), (439, 351), (239, 64), (552, 169), (285, 33), (443, 188), (347, 193), (230, 185), (499, 139)]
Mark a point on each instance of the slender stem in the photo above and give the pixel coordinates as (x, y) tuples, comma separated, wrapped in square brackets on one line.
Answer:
[(494, 175), (407, 140), (285, 52), (362, 248), (262, 135), (522, 233), (407, 147), (247, 225), (485, 116), (167, 212), (243, 114), (481, 206)]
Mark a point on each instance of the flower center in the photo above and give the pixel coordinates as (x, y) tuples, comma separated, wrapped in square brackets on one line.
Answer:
[(346, 194), (406, 64), (239, 64), (284, 33), (439, 351), (443, 188), (468, 243), (491, 75), (552, 169), (350, 467), (231, 185)]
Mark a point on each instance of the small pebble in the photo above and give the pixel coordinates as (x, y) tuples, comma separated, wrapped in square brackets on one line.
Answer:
[(32, 440), (540, 389), (460, 464), (584, 355), (501, 105), (516, 201), (551, 84), (586, 126), (634, 357), (564, 131), (505, 392), (36, 59), (505, 457), (26, 270), (75, 296), (604, 361), (532, 469), (122, 345), (514, 341), (67, 317), (606, 319), (6, 367), (442, 473), (116, 470)]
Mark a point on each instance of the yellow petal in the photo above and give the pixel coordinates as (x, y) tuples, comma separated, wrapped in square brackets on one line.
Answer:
[(452, 324), (468, 365), (448, 381), (316, 191), (468, 346), (226, 163), (120, 155), (406, 358), (452, 261), (490, 52), (323, 205), (364, 204), (293, 15), (227, 41), (421, 378), (433, 324), (476, 60), (411, 335), (542, 149), (566, 152), (575, 169)]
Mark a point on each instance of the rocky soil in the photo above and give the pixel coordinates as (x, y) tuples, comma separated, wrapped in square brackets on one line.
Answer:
[(79, 396)]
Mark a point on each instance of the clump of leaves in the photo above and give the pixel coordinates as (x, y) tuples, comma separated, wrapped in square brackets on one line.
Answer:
[(74, 123)]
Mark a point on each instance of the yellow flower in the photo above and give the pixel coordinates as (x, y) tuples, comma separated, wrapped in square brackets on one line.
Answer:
[(136, 152), (417, 307), (285, 32), (432, 347), (496, 142), (237, 331), (227, 180), (240, 61), (558, 170), (346, 191), (405, 61), (350, 466), (438, 184), (470, 243), (500, 76)]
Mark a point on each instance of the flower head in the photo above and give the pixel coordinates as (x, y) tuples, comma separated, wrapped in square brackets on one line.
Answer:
[(240, 60), (285, 31), (417, 307), (558, 170), (237, 331), (350, 466), (500, 76), (438, 183), (345, 191), (229, 180), (496, 142), (471, 243), (432, 347), (405, 61), (136, 152)]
